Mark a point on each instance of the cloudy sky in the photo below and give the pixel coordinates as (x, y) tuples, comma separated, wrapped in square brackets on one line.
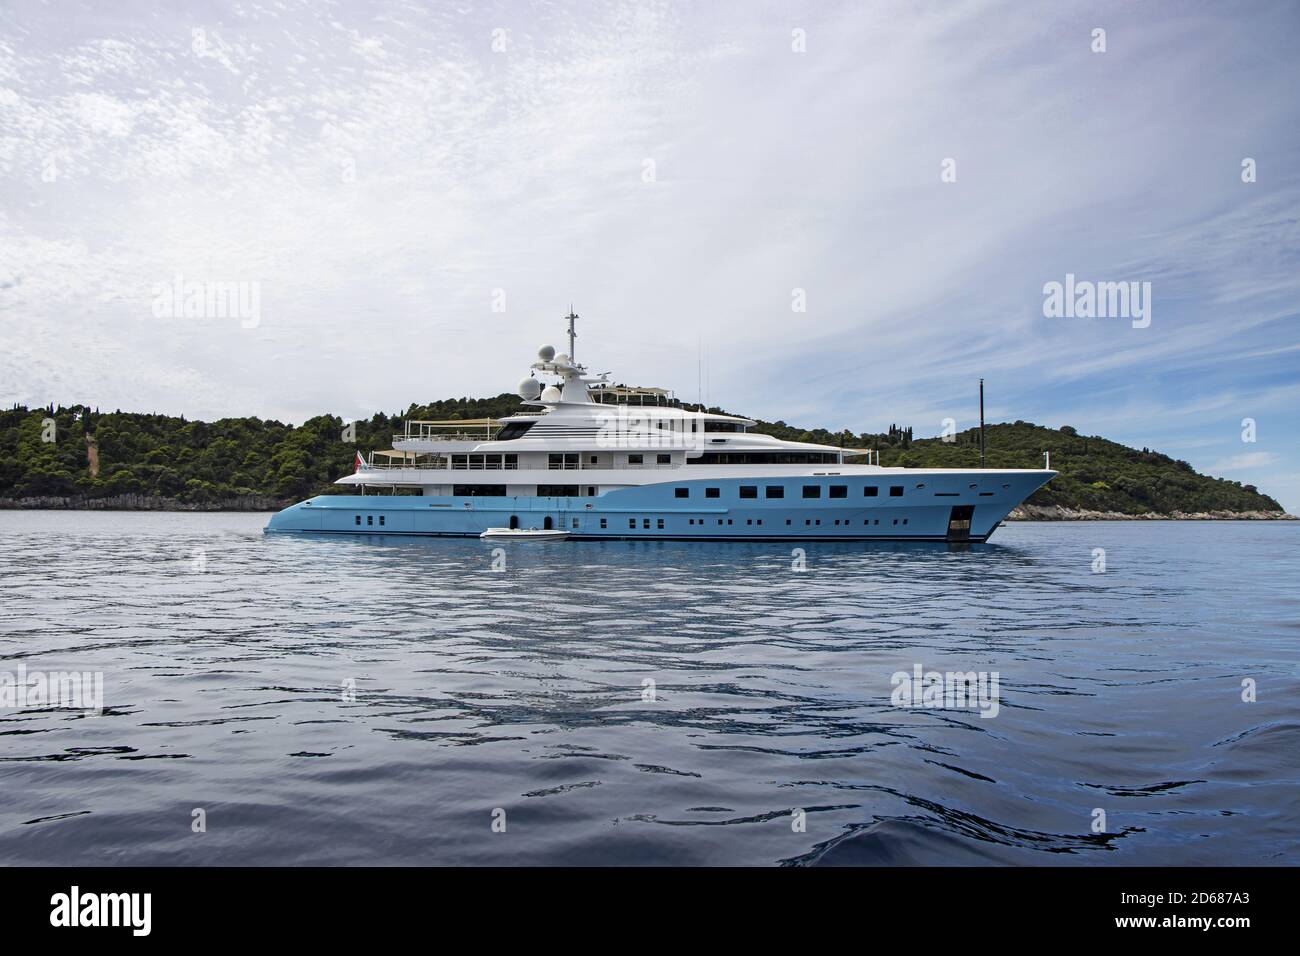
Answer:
[(416, 192)]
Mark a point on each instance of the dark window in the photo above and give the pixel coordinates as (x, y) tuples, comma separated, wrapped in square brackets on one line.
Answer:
[(661, 522), (555, 491), (895, 491), (710, 426), (513, 430), (682, 492), (631, 522), (749, 491), (634, 459), (358, 519), (710, 492), (591, 491), (575, 522), (775, 491), (645, 523), (370, 519), (593, 459), (381, 519), (664, 459), (558, 460), (602, 523), (812, 491), (763, 458), (871, 491), (477, 491), (839, 491)]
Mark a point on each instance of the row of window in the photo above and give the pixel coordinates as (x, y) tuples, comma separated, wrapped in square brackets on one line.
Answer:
[(764, 458), (659, 522), (754, 522), (809, 491), (490, 462)]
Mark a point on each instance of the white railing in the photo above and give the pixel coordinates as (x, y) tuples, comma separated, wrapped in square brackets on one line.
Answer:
[(404, 466)]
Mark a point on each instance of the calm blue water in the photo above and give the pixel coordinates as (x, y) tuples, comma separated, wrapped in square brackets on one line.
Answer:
[(225, 655)]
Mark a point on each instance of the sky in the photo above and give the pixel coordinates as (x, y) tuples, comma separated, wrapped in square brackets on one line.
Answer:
[(832, 214)]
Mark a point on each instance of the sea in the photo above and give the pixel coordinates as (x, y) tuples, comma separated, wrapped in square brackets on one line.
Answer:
[(182, 689)]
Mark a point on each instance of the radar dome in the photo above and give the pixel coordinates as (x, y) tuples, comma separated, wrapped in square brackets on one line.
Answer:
[(546, 353), (562, 359), (551, 394), (529, 389)]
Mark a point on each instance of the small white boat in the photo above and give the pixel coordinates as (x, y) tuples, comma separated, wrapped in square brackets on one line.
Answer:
[(525, 534)]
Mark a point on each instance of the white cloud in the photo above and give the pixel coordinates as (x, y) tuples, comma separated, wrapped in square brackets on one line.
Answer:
[(381, 170)]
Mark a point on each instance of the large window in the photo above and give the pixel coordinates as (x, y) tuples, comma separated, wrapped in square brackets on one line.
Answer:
[(871, 491), (749, 491), (477, 491), (812, 491), (493, 462), (775, 491), (559, 461), (557, 491), (682, 492), (723, 427), (513, 430), (634, 459), (664, 459), (839, 491), (711, 492), (895, 491)]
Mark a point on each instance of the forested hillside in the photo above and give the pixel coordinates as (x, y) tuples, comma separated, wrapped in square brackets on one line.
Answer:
[(96, 454)]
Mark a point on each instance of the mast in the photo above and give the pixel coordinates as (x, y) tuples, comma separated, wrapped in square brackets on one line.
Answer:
[(981, 423), (572, 317)]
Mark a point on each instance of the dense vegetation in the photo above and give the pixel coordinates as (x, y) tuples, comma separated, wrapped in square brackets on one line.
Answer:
[(97, 454)]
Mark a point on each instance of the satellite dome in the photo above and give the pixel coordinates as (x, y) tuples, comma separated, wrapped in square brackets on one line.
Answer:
[(551, 394), (529, 389), (562, 359), (546, 353)]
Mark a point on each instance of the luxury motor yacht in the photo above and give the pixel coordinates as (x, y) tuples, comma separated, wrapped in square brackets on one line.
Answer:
[(598, 460)]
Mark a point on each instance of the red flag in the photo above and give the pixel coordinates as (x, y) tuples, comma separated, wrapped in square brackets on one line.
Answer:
[(359, 464)]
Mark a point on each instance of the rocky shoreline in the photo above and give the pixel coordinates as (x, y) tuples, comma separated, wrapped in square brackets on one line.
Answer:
[(1059, 513), (144, 503)]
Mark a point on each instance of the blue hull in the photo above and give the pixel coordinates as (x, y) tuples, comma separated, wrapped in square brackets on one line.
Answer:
[(923, 512)]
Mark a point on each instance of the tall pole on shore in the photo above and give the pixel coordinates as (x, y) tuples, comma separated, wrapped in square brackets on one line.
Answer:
[(981, 423)]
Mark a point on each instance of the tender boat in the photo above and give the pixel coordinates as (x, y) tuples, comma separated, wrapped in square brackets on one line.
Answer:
[(524, 534), (590, 459)]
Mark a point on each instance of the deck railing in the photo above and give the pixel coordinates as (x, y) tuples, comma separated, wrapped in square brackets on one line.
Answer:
[(442, 466)]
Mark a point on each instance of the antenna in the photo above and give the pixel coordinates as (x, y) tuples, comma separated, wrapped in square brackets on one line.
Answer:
[(572, 317), (981, 423)]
